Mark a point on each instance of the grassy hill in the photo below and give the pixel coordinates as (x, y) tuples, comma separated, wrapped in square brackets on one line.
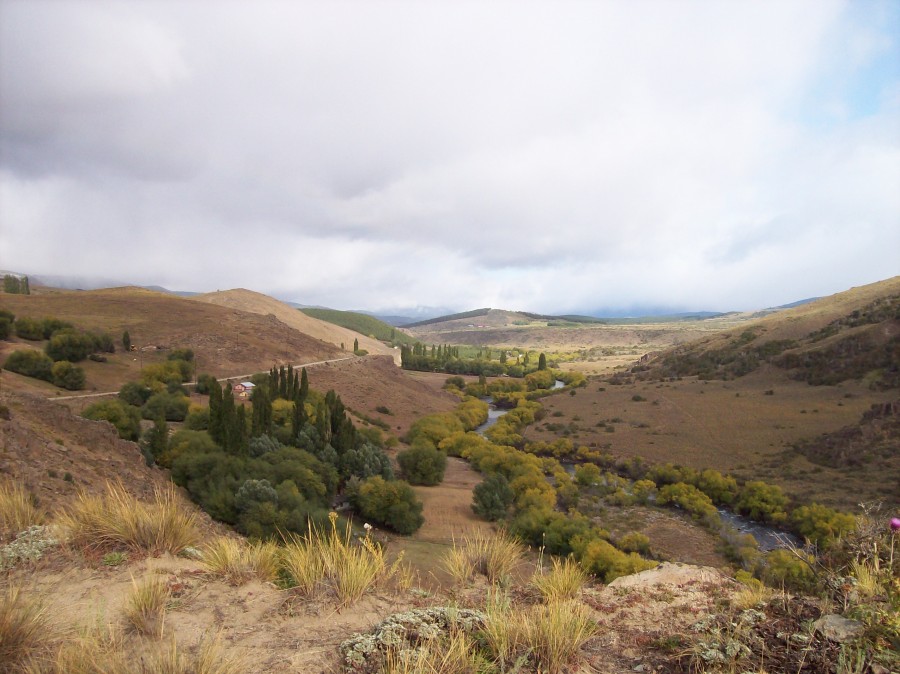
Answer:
[(365, 325), (806, 398)]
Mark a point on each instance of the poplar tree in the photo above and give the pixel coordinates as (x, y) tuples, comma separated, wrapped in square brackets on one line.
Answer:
[(542, 362), (215, 413), (304, 385)]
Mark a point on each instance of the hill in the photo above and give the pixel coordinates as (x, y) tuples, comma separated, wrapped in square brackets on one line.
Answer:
[(226, 341), (806, 398), (256, 303), (364, 324)]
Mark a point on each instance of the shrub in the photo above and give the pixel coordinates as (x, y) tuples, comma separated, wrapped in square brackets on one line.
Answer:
[(204, 383), (134, 393), (29, 328), (606, 562), (423, 464), (492, 498), (197, 418), (392, 503), (635, 542), (30, 363), (67, 376), (71, 346), (6, 327), (785, 568), (762, 502), (686, 496), (169, 406), (125, 418), (821, 525)]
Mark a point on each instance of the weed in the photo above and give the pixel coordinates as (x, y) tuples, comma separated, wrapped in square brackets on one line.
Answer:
[(564, 581), (24, 626), (145, 607), (238, 561), (17, 508), (115, 558), (117, 519)]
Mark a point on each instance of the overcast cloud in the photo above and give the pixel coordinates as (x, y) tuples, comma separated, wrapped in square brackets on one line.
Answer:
[(550, 156)]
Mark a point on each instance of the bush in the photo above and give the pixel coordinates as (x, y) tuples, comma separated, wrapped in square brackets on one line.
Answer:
[(67, 376), (169, 406), (690, 498), (492, 498), (135, 393), (29, 328), (125, 418), (423, 464), (606, 562), (785, 569), (204, 383), (821, 525), (71, 346), (5, 327), (762, 502), (30, 363), (392, 503)]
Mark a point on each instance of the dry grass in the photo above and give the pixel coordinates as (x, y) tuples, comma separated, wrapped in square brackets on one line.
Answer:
[(495, 557), (17, 509), (145, 607), (458, 654), (556, 631), (331, 556), (238, 561), (505, 637), (117, 519), (752, 595), (25, 627), (565, 580), (867, 582)]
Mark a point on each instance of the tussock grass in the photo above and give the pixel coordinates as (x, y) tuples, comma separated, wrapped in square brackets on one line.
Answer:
[(504, 636), (556, 631), (751, 596), (458, 654), (867, 581), (330, 557), (238, 561), (117, 519), (565, 580), (492, 556), (25, 627), (17, 509), (145, 607)]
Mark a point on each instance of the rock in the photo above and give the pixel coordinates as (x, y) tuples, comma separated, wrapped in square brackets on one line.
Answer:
[(838, 628), (671, 573)]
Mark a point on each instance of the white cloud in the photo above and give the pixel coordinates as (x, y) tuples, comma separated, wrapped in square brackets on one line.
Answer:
[(546, 156)]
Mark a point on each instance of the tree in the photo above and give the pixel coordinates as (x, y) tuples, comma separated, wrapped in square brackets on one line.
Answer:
[(30, 363), (170, 406), (126, 341), (492, 498), (156, 440), (355, 345), (71, 346), (125, 418), (542, 362), (67, 376), (423, 464), (390, 502), (135, 393)]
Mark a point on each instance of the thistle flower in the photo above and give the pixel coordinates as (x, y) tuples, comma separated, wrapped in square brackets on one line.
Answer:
[(895, 524)]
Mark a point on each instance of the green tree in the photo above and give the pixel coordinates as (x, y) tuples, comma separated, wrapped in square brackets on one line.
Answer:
[(170, 406), (67, 376), (125, 418), (762, 502), (355, 345), (5, 327), (392, 503), (30, 363), (492, 498), (126, 341), (135, 393), (542, 362), (156, 440), (423, 464), (70, 346)]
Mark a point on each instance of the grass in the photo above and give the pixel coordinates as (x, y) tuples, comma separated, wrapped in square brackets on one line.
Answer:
[(17, 509), (118, 519), (332, 558), (458, 654), (25, 627), (564, 581), (238, 561), (492, 556), (145, 607), (556, 631)]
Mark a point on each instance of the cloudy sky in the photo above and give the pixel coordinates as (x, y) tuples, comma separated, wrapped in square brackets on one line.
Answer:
[(543, 156)]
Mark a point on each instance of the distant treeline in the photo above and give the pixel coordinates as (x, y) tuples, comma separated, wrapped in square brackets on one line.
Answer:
[(446, 358), (361, 323), (451, 317)]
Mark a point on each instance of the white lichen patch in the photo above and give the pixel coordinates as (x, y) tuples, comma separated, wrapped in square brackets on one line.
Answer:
[(28, 546)]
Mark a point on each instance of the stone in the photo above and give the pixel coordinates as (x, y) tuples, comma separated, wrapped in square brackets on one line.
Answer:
[(838, 628)]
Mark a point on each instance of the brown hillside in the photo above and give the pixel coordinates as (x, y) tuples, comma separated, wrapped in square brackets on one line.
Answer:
[(256, 303), (365, 384), (226, 341)]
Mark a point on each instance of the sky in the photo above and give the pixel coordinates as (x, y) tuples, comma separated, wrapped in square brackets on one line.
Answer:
[(556, 157)]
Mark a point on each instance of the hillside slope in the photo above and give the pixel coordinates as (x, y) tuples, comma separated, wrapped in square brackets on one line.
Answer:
[(257, 303)]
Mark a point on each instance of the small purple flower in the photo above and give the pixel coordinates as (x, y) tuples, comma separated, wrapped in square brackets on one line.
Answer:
[(895, 524)]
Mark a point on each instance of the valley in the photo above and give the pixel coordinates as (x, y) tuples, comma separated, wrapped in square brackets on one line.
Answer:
[(738, 394)]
